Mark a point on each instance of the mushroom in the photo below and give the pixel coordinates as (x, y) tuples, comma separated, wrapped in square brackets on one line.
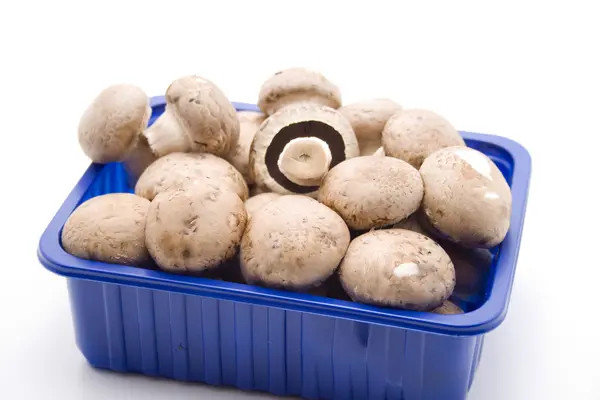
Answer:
[(256, 202), (372, 191), (448, 308), (239, 155), (412, 135), (138, 159), (109, 128), (295, 147), (108, 228), (295, 85), (397, 268), (368, 118), (195, 229), (198, 117), (379, 152), (467, 200), (293, 242), (255, 190), (175, 170)]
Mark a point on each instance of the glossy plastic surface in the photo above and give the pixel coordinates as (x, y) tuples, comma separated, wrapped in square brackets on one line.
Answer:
[(189, 328)]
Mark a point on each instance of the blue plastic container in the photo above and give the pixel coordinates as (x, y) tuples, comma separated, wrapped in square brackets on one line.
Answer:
[(150, 322)]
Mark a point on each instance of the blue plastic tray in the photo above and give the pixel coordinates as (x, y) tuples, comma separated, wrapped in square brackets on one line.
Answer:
[(196, 329)]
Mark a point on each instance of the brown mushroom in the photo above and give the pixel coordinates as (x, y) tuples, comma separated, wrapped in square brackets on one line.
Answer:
[(198, 117), (368, 118), (295, 147), (293, 242), (448, 308), (397, 268), (176, 170), (467, 200), (412, 135), (108, 228), (371, 191), (239, 155), (109, 128), (294, 85), (196, 229)]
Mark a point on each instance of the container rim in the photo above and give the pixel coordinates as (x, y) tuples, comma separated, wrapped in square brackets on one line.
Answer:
[(484, 319)]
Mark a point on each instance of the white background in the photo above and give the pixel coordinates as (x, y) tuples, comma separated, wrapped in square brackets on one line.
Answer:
[(524, 70)]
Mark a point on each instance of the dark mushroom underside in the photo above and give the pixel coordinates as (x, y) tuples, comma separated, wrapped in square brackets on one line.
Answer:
[(302, 129)]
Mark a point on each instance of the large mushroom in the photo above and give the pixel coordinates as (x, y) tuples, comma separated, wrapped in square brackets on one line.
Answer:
[(196, 229), (109, 128), (108, 228), (368, 118), (296, 85), (256, 202), (293, 242), (397, 268), (239, 156), (176, 170), (295, 147), (467, 200), (372, 191), (198, 117), (412, 135)]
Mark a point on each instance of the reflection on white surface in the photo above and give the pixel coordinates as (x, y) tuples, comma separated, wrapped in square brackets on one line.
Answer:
[(406, 269)]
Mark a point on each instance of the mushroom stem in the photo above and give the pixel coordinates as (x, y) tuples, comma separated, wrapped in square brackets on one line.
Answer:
[(305, 160), (167, 135)]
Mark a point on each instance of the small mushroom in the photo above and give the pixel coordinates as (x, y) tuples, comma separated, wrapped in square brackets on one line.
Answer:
[(397, 268), (295, 147), (198, 117), (294, 85), (412, 135), (176, 170), (239, 155), (448, 308), (293, 242), (256, 202), (108, 228), (196, 229), (138, 159), (110, 126), (467, 200), (371, 191), (368, 118)]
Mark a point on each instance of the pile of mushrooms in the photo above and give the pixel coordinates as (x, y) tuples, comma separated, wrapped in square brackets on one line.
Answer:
[(368, 201)]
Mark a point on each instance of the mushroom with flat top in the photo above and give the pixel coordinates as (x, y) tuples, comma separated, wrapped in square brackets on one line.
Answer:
[(412, 135), (239, 156), (297, 85), (109, 228), (295, 147), (195, 229), (293, 242), (372, 191), (198, 117), (176, 170), (368, 118), (111, 125), (467, 199), (397, 268)]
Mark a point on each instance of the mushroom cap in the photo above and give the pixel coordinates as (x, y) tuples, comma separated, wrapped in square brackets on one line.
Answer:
[(372, 191), (303, 120), (293, 242), (256, 202), (110, 126), (412, 135), (205, 113), (176, 170), (397, 268), (467, 199), (448, 308), (368, 118), (108, 228), (294, 85), (195, 229), (138, 159), (239, 156)]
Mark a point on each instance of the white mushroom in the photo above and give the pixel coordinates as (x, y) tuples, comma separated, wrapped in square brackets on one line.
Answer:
[(109, 128), (256, 202), (108, 228), (198, 117), (239, 156)]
